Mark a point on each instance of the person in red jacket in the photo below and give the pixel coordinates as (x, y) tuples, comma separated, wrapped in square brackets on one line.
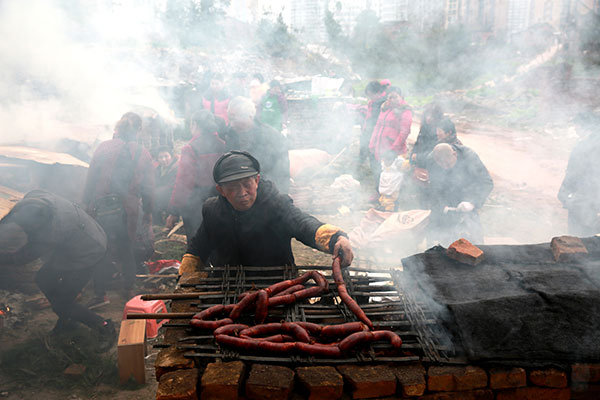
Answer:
[(194, 182), (121, 174), (391, 130), (216, 99)]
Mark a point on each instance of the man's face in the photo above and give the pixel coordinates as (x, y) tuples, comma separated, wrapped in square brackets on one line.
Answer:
[(241, 194), (441, 135), (216, 85)]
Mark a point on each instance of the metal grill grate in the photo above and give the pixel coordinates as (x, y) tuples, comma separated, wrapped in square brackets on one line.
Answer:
[(381, 294)]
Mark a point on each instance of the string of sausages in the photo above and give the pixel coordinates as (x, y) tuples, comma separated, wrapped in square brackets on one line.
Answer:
[(285, 337)]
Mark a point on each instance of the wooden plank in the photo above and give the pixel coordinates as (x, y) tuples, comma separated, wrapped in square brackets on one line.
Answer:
[(131, 349)]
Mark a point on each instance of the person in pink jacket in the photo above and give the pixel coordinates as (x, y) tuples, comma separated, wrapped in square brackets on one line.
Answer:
[(391, 130)]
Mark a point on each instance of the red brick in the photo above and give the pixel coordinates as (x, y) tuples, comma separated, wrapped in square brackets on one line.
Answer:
[(584, 391), (533, 393), (550, 377), (464, 251), (479, 394), (222, 380), (170, 359), (455, 378), (568, 248), (178, 385), (184, 306), (172, 335), (321, 383), (411, 378), (269, 382), (369, 381), (506, 378), (585, 373)]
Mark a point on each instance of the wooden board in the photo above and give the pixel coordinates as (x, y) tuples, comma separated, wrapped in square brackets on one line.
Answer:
[(131, 349)]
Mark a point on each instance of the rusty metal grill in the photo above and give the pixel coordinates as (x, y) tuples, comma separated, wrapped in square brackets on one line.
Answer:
[(381, 294)]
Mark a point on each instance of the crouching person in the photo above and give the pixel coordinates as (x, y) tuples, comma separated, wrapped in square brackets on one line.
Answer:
[(71, 245), (459, 184), (250, 223)]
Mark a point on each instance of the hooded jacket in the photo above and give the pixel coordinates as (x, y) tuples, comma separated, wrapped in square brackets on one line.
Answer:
[(260, 236)]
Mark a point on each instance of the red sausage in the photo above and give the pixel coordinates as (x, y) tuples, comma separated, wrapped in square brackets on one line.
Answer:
[(349, 301), (278, 287), (242, 305), (354, 340), (209, 312), (290, 290), (285, 299), (320, 280), (390, 336), (262, 306), (238, 343), (259, 330), (318, 349), (312, 328), (343, 329), (229, 329), (199, 323), (278, 338), (299, 332), (307, 293)]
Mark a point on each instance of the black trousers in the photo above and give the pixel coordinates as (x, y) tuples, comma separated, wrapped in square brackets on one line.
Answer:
[(61, 289)]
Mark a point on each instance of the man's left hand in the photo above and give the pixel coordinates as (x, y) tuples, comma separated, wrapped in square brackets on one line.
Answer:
[(343, 246)]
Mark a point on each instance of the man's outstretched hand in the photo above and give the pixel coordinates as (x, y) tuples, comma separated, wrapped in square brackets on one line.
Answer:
[(342, 248)]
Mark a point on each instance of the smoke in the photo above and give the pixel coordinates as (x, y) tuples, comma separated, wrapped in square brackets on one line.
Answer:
[(70, 71)]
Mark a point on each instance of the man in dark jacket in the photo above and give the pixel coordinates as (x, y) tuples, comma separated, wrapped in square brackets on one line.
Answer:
[(580, 190), (265, 143), (459, 184), (121, 175), (250, 223), (71, 244)]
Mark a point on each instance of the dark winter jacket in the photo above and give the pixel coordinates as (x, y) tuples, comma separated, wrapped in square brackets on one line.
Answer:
[(469, 180), (580, 189), (260, 236), (58, 231), (125, 169), (270, 149)]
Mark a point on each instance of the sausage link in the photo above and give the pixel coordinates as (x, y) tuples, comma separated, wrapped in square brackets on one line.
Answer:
[(307, 293), (312, 328), (229, 329), (290, 290), (343, 329), (242, 305), (318, 349), (349, 301), (209, 312), (262, 306), (390, 336), (354, 340), (202, 324)]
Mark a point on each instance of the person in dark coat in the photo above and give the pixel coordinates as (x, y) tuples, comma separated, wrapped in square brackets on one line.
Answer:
[(164, 181), (459, 184), (250, 223), (194, 183), (427, 138), (270, 147), (580, 189), (120, 176), (71, 245)]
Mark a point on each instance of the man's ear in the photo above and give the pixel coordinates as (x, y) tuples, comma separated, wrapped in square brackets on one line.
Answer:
[(257, 178), (220, 190)]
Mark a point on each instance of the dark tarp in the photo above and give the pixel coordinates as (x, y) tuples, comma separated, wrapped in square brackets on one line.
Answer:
[(518, 304)]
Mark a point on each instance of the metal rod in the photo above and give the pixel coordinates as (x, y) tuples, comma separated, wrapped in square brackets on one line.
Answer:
[(178, 296), (181, 315)]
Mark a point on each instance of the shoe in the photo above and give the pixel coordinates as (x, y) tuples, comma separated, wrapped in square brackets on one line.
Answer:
[(98, 302), (62, 326), (107, 336)]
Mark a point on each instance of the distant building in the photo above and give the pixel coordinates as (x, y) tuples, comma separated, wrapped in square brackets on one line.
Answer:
[(307, 20)]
